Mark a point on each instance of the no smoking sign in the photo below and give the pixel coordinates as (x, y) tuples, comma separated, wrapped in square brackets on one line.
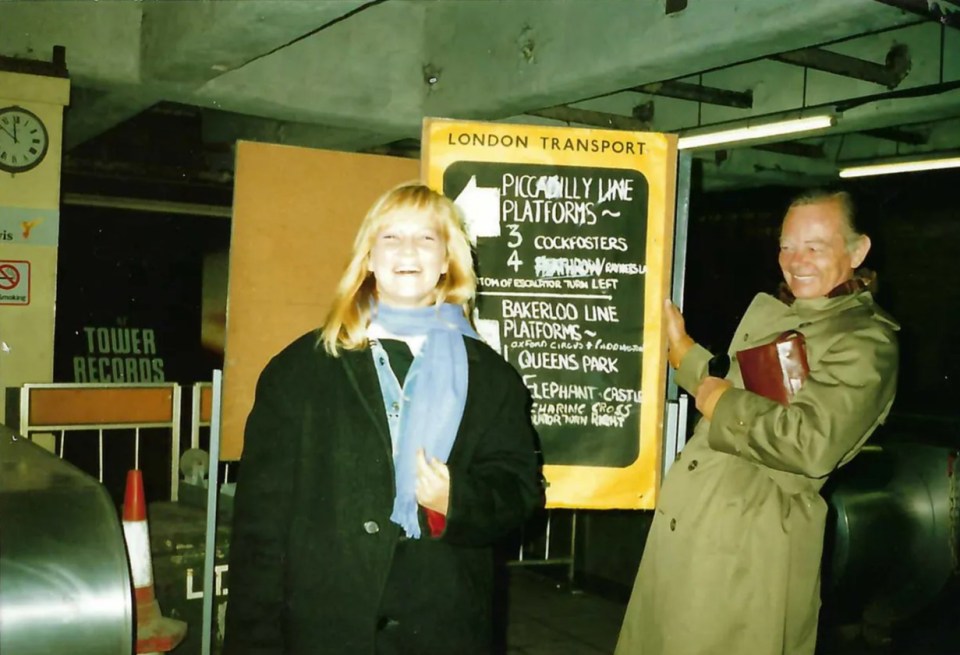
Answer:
[(14, 282)]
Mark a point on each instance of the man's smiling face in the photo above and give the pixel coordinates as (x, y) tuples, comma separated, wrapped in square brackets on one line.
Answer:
[(814, 254)]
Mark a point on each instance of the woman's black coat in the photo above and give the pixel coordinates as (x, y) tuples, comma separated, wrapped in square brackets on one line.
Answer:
[(316, 565)]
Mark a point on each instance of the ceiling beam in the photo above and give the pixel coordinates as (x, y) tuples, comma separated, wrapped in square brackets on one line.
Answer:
[(56, 67), (409, 148), (624, 43), (794, 149), (935, 11), (94, 112), (193, 42), (897, 135), (698, 93), (889, 74), (673, 6)]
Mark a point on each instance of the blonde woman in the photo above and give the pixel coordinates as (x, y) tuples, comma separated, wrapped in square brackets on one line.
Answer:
[(385, 454)]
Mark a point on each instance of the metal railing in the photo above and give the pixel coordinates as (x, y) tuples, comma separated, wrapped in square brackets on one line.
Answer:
[(64, 408)]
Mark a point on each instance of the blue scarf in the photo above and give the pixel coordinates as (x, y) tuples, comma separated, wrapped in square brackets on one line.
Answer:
[(435, 390)]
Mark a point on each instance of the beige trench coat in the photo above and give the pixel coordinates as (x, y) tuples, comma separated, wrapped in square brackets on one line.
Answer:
[(732, 561)]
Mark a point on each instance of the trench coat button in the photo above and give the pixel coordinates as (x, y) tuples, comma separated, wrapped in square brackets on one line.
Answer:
[(371, 527), (677, 458), (396, 407), (692, 466), (673, 524)]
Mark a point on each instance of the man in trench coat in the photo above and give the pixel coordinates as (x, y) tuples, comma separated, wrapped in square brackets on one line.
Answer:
[(732, 561)]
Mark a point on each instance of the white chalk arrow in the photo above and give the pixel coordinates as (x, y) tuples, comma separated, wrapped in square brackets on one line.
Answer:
[(489, 331), (481, 210)]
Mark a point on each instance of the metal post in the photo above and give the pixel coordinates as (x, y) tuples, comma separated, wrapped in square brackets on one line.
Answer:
[(684, 175), (573, 549), (210, 544), (683, 412), (670, 437), (674, 434)]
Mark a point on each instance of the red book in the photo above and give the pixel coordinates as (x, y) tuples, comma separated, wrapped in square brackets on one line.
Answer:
[(775, 370)]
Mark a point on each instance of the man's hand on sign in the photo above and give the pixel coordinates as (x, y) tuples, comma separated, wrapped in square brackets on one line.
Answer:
[(678, 341)]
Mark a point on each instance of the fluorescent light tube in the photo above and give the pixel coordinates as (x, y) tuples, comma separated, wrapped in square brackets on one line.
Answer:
[(755, 132), (900, 167)]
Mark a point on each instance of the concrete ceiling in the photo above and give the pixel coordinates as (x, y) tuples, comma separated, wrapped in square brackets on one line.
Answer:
[(360, 75)]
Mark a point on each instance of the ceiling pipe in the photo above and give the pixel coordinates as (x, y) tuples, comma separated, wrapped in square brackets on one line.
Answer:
[(147, 205), (889, 74), (915, 92), (698, 93), (592, 118)]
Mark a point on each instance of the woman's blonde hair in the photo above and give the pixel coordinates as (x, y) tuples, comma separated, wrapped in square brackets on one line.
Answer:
[(346, 324)]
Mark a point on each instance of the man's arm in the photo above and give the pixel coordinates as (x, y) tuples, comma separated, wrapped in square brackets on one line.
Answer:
[(838, 407)]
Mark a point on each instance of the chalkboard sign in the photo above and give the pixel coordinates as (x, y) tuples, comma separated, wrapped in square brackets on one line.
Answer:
[(571, 241)]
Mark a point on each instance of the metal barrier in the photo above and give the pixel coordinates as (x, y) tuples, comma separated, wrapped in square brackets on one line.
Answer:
[(539, 542), (201, 410), (532, 552), (64, 408), (201, 416)]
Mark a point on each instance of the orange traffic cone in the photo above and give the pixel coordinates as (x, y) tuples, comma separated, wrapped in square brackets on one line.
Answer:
[(155, 632)]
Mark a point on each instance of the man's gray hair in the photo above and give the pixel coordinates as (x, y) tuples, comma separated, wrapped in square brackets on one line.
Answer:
[(851, 234)]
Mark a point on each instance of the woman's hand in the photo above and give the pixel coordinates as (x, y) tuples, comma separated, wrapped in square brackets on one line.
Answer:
[(433, 483)]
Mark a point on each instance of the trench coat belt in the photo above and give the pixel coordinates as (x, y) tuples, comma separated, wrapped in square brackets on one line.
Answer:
[(792, 484)]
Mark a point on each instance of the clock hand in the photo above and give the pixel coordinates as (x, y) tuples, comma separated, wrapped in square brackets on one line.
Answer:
[(12, 136), (15, 132)]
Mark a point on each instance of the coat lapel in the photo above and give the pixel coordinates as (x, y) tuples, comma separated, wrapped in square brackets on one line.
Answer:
[(360, 370), (477, 397)]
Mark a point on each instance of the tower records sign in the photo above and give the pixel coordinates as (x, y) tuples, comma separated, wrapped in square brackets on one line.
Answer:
[(573, 235)]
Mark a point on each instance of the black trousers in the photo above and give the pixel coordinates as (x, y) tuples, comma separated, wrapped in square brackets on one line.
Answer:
[(414, 621)]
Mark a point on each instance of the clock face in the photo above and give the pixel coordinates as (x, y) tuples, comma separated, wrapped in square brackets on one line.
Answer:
[(23, 140)]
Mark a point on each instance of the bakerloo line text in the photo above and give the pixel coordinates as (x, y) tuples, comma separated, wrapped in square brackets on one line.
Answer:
[(557, 311)]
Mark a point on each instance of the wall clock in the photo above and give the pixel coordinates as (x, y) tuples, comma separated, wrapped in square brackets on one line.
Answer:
[(23, 140)]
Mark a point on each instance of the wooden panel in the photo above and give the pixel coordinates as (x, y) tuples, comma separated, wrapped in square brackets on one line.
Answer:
[(100, 406), (295, 215), (206, 404)]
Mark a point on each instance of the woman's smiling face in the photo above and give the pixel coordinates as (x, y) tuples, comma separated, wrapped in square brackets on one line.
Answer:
[(407, 259)]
